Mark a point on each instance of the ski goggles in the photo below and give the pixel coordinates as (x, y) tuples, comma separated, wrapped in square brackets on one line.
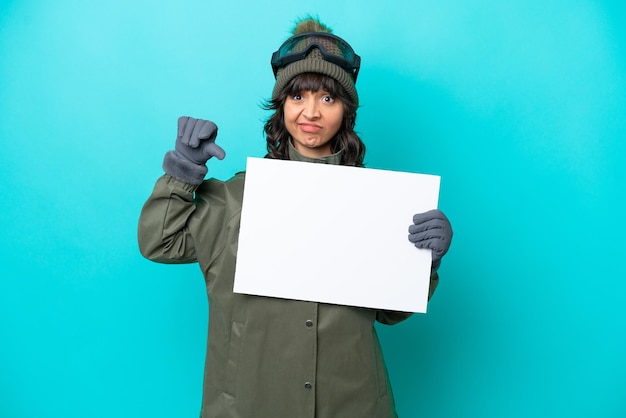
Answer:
[(333, 49)]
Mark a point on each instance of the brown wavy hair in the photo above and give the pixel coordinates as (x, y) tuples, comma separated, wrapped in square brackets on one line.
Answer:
[(345, 140)]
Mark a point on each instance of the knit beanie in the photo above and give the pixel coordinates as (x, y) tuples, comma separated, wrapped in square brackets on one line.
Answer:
[(314, 62)]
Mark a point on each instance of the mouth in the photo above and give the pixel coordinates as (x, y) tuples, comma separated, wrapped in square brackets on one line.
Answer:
[(309, 127)]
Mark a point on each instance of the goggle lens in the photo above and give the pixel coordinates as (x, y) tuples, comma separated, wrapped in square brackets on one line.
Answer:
[(333, 49)]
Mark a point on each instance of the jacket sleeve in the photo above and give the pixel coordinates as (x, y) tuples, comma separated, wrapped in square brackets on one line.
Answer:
[(163, 231), (393, 317)]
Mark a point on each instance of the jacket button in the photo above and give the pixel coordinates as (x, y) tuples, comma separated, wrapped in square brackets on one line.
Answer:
[(308, 385), (309, 323)]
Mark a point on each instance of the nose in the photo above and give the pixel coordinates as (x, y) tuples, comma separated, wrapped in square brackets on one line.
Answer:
[(311, 109)]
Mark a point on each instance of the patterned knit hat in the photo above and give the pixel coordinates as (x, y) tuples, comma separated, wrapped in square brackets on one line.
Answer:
[(315, 61)]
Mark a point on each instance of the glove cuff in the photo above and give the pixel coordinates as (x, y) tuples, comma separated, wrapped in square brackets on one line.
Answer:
[(182, 169)]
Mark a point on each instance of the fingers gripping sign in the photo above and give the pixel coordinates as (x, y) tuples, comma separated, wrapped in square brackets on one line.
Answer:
[(431, 230)]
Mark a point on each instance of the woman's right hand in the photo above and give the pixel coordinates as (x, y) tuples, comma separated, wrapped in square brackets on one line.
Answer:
[(195, 145), (196, 140)]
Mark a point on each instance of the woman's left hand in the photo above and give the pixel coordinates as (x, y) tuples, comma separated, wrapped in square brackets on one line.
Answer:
[(431, 230)]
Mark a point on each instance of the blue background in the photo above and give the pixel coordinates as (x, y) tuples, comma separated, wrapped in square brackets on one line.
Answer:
[(518, 105)]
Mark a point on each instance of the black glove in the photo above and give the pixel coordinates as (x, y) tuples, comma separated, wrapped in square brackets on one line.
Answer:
[(195, 145), (431, 230)]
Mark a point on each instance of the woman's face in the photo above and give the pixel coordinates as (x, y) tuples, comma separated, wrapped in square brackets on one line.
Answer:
[(313, 119)]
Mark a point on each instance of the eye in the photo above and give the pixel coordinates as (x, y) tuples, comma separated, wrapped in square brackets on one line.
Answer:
[(328, 99), (296, 97)]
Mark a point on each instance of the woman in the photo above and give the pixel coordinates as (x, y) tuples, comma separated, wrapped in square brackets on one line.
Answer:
[(269, 357)]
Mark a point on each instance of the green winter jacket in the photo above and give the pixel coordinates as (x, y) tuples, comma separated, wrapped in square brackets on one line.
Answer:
[(266, 357)]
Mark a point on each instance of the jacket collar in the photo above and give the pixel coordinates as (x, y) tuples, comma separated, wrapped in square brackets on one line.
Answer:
[(294, 155)]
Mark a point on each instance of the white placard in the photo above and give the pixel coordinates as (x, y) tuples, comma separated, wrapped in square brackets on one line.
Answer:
[(333, 234)]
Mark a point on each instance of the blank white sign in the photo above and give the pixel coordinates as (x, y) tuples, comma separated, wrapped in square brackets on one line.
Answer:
[(333, 234)]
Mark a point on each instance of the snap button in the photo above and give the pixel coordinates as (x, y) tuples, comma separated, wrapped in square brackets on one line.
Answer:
[(309, 323), (308, 385)]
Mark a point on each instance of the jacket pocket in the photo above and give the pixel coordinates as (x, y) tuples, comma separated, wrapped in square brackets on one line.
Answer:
[(234, 355)]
